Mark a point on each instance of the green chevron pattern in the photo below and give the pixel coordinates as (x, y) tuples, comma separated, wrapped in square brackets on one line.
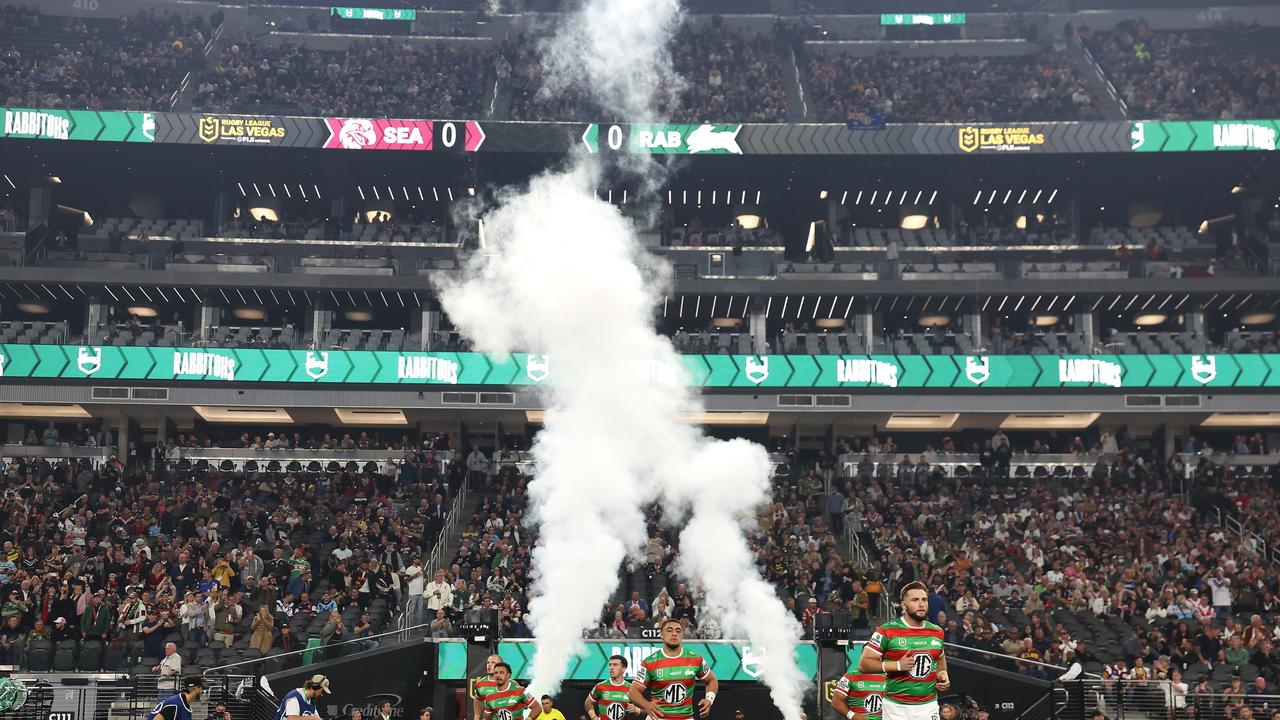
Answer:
[(887, 372)]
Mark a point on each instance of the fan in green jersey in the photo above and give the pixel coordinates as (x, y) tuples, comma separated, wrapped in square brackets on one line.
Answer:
[(611, 699), (670, 675), (909, 652)]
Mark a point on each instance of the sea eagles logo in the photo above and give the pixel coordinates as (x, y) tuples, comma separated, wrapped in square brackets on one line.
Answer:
[(537, 367), (89, 362), (317, 364), (209, 129), (968, 139), (707, 138), (1138, 136), (1204, 368), (977, 369), (757, 370), (750, 662), (357, 134)]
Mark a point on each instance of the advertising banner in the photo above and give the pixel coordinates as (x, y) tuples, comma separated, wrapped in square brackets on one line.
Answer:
[(374, 134), (1200, 136), (100, 125), (882, 372), (363, 13), (730, 661), (897, 19)]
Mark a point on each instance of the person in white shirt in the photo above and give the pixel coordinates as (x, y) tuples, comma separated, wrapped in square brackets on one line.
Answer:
[(477, 464), (417, 585), (170, 668), (438, 593)]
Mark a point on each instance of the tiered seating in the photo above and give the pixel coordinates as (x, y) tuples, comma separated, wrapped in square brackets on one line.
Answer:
[(37, 332)]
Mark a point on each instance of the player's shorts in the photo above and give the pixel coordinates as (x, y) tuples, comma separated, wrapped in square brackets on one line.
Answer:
[(897, 711)]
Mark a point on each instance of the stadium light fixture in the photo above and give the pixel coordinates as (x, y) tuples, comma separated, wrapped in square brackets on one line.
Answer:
[(830, 323), (1049, 421), (1242, 420), (1150, 319), (371, 417), (34, 307), (215, 414), (249, 313), (27, 410), (934, 320), (921, 421), (1257, 318), (143, 311), (1045, 320)]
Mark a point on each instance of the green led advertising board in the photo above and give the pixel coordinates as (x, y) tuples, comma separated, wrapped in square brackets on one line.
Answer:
[(882, 372), (899, 19), (359, 13), (730, 661)]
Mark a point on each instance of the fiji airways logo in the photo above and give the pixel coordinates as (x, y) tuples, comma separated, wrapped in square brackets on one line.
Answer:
[(89, 361), (537, 367), (977, 369), (757, 369), (317, 365), (1204, 368)]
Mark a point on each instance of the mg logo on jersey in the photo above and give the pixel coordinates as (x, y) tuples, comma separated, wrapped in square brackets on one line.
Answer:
[(750, 662), (503, 714), (674, 694), (317, 364), (977, 369), (757, 369), (1204, 368), (873, 703), (919, 665), (537, 367), (89, 362), (616, 711)]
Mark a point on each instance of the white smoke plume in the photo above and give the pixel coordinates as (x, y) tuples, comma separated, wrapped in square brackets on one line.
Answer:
[(563, 275), (721, 488)]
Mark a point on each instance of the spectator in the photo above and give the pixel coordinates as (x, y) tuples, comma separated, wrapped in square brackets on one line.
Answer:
[(263, 625), (441, 627), (170, 668)]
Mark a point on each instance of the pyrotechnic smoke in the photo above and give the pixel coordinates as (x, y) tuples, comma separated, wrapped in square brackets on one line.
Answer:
[(562, 274)]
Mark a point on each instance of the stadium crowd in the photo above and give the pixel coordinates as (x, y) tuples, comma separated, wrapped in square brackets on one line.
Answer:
[(1229, 72), (225, 564), (948, 89), (729, 76), (135, 62), (382, 78)]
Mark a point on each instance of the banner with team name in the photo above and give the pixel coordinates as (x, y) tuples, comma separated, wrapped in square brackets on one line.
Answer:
[(882, 372)]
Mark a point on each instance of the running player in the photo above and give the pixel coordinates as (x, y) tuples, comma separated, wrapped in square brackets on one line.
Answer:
[(178, 707), (611, 698), (507, 700), (859, 696), (482, 685), (670, 675), (908, 651)]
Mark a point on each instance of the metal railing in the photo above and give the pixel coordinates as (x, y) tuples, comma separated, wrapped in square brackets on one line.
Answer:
[(305, 656), (111, 696), (949, 462), (1121, 699)]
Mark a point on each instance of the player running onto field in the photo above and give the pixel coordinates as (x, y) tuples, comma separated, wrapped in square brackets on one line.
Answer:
[(509, 701), (611, 699), (908, 651), (670, 676), (859, 696), (482, 685)]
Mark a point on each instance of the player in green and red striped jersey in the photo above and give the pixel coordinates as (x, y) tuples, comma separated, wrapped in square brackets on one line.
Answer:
[(611, 699), (670, 675), (482, 685), (909, 653), (859, 696), (509, 701)]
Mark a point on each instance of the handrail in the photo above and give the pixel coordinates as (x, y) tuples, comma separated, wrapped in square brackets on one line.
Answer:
[(271, 658)]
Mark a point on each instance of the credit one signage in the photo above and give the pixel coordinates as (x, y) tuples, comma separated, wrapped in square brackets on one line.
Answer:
[(1213, 135), (731, 661), (881, 372)]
